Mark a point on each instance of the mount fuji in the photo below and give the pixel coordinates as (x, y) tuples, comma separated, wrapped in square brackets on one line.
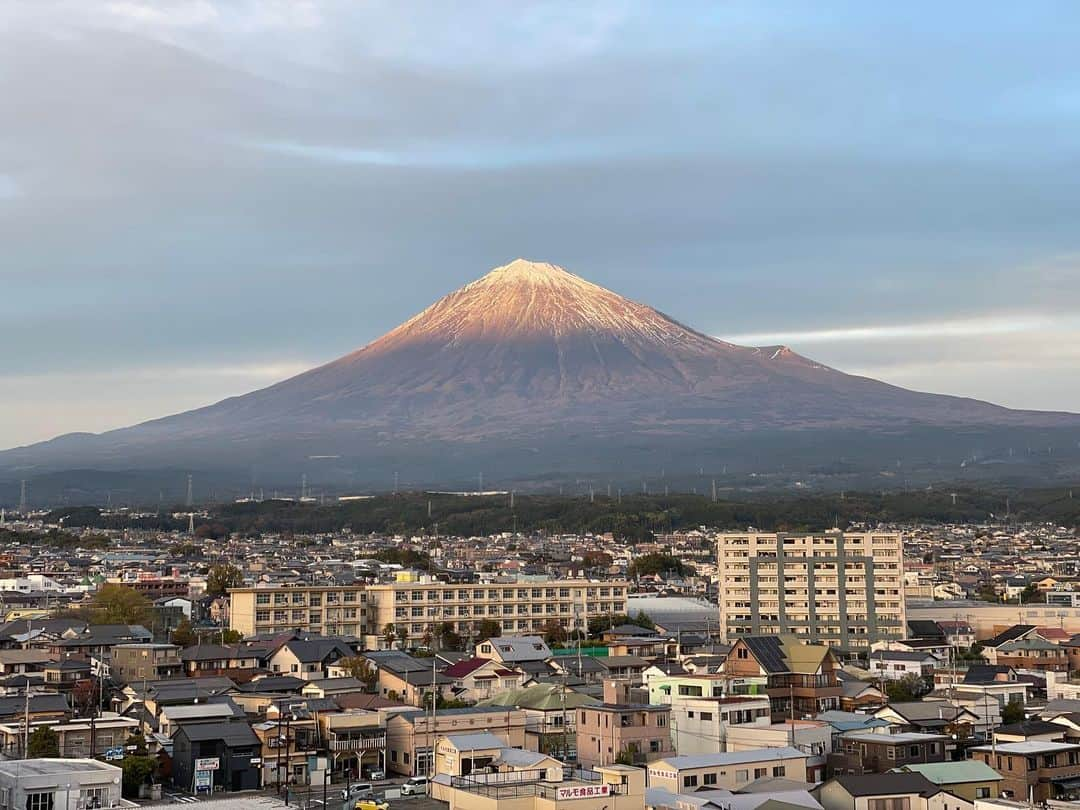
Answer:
[(534, 373)]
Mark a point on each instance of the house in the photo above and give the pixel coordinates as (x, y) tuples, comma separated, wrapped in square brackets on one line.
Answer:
[(969, 779), (632, 733), (17, 662), (551, 712), (308, 658), (894, 665), (929, 716), (888, 791), (812, 737), (859, 695), (863, 752), (480, 753), (410, 680), (514, 649), (145, 662), (1034, 771), (690, 773), (1034, 730), (172, 717), (700, 725), (527, 780), (76, 738), (356, 739), (801, 679), (478, 679), (238, 662), (1030, 652), (958, 633), (411, 735), (232, 748), (61, 784), (624, 667)]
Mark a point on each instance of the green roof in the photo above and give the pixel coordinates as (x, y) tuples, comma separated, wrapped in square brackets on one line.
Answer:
[(952, 773), (541, 697)]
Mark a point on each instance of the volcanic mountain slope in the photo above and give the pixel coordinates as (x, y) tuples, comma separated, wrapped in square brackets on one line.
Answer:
[(533, 354)]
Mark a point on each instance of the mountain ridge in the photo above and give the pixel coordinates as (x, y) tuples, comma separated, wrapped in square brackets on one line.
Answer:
[(537, 358)]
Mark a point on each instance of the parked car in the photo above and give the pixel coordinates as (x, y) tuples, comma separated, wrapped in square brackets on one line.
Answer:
[(414, 786), (376, 774), (361, 790)]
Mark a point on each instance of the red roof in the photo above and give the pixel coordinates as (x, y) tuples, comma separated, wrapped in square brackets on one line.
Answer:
[(463, 668)]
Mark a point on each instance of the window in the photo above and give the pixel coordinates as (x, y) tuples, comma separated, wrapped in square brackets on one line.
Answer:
[(742, 776), (895, 803), (742, 653), (760, 773), (39, 801), (709, 779), (706, 717), (689, 781), (982, 793), (779, 770)]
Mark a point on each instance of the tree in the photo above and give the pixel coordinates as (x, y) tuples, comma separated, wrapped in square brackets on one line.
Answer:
[(909, 688), (649, 564), (389, 634), (183, 635), (488, 628), (138, 771), (554, 632), (449, 639), (360, 668), (222, 577), (119, 604), (84, 696), (402, 636), (1012, 712), (211, 531), (230, 636), (44, 742)]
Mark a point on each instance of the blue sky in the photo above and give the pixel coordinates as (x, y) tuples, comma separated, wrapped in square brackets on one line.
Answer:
[(198, 198)]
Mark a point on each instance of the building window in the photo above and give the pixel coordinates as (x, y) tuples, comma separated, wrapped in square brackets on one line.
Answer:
[(742, 776), (982, 793), (709, 779), (779, 770), (39, 801), (689, 781), (896, 803)]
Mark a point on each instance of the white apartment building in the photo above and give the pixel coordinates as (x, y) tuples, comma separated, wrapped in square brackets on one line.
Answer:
[(844, 589)]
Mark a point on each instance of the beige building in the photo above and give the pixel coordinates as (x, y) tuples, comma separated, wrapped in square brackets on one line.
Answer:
[(731, 771), (416, 604), (844, 589), (411, 735), (475, 771), (325, 609)]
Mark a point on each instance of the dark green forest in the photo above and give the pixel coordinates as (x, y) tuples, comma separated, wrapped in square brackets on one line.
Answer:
[(635, 517)]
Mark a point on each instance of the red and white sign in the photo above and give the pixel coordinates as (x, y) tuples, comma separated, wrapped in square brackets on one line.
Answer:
[(583, 792)]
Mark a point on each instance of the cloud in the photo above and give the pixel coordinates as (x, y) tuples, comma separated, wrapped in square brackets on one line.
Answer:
[(983, 326), (187, 181)]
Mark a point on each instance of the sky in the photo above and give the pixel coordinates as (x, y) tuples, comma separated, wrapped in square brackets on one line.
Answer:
[(199, 197)]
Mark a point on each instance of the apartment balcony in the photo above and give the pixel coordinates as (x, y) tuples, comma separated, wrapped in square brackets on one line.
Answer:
[(358, 742)]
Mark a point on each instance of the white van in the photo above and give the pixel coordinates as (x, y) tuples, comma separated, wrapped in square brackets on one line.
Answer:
[(415, 786)]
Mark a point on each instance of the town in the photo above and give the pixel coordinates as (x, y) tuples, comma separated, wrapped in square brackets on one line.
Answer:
[(914, 666)]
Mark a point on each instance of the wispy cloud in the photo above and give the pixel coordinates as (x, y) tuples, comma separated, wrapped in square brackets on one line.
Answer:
[(965, 328)]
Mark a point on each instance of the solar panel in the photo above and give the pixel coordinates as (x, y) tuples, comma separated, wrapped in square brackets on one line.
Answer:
[(768, 651)]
